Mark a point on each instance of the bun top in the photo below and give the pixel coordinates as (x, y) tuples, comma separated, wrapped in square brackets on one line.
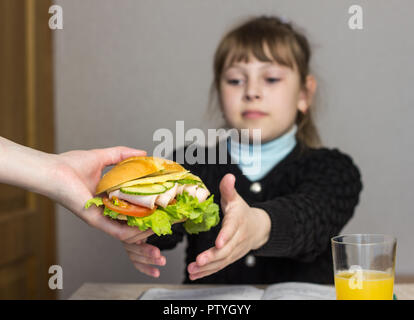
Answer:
[(135, 168)]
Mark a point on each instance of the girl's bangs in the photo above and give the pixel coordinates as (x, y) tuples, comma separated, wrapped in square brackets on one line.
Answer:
[(264, 50)]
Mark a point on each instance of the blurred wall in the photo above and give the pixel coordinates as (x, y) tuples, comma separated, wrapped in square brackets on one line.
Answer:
[(126, 68)]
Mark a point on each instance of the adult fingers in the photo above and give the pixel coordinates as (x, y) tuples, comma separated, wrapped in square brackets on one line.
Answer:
[(141, 235), (114, 228), (111, 156)]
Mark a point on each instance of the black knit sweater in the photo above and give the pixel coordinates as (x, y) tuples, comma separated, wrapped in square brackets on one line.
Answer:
[(310, 195)]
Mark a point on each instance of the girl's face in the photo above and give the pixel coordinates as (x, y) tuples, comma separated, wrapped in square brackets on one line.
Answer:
[(261, 95)]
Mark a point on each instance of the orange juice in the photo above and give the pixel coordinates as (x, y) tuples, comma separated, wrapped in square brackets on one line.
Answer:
[(364, 285)]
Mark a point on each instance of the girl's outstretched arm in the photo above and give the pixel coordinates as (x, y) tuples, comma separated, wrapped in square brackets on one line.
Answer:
[(244, 229), (296, 226), (324, 200)]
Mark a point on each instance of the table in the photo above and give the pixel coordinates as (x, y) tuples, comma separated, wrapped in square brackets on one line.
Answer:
[(123, 291)]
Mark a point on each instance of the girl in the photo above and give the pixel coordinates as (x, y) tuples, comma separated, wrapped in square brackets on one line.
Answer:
[(276, 225)]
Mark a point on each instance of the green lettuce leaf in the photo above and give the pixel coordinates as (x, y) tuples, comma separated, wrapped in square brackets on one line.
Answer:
[(200, 216), (160, 222), (208, 219), (110, 213), (96, 201)]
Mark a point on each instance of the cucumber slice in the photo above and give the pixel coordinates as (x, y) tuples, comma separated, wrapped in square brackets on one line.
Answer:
[(188, 181), (144, 189), (168, 184)]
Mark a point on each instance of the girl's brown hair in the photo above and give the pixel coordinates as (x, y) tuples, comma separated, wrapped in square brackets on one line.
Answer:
[(287, 47)]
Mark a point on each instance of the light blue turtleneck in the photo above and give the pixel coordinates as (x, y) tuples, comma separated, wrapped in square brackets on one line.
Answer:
[(271, 153)]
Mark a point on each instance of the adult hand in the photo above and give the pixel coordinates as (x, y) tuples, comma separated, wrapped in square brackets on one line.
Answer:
[(78, 173), (70, 179)]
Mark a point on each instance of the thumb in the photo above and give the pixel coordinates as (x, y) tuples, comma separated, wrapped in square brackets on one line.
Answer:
[(111, 156), (227, 189)]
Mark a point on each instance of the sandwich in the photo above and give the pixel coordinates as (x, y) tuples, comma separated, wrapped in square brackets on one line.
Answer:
[(151, 192)]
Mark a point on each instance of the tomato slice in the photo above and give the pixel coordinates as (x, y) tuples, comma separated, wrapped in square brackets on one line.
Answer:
[(127, 208)]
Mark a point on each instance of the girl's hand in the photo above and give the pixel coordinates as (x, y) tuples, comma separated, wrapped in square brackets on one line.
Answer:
[(143, 255), (243, 229)]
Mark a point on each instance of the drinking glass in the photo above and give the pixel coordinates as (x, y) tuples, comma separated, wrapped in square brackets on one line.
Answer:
[(364, 266)]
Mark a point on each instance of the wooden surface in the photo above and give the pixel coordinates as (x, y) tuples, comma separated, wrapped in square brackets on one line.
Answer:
[(27, 226), (116, 291)]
